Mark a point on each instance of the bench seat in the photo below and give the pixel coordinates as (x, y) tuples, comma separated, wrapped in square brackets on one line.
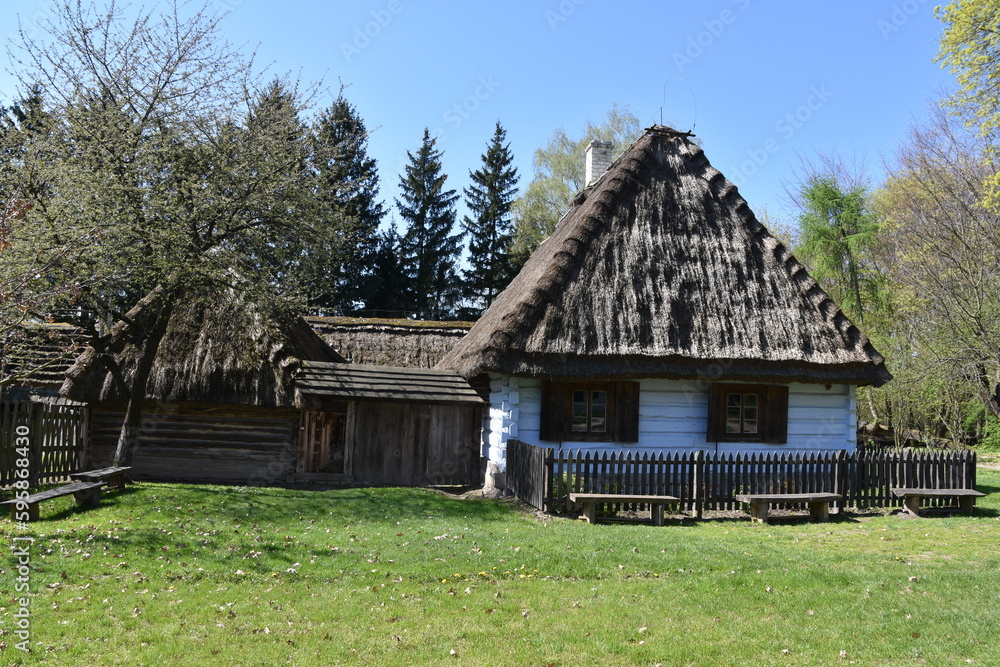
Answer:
[(911, 497), (819, 503), (85, 493), (114, 476), (590, 501)]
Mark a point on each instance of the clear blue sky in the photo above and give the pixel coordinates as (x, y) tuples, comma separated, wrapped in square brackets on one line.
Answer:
[(772, 82)]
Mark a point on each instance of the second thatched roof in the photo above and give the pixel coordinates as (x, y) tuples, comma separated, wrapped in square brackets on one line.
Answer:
[(219, 347), (389, 342), (660, 269)]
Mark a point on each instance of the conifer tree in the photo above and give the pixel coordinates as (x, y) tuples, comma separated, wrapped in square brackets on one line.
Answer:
[(429, 249), (383, 290), (347, 194), (490, 198)]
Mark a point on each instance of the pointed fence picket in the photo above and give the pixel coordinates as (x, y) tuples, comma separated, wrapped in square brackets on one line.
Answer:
[(709, 481)]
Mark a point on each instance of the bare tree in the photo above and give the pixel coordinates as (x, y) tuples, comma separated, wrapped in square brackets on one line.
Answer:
[(944, 251), (161, 168)]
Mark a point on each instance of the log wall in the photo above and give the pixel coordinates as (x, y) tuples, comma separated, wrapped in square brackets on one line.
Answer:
[(194, 443)]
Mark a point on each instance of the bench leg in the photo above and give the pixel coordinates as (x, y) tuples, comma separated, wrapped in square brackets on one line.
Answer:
[(912, 505), (91, 497), (656, 512), (758, 511), (18, 515), (820, 511), (590, 511), (966, 503)]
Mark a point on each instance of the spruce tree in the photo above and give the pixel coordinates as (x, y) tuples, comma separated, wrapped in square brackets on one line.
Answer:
[(383, 291), (348, 196), (429, 250), (490, 198)]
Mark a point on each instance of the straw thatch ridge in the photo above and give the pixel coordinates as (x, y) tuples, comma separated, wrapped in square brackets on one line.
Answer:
[(660, 269), (389, 342), (218, 348)]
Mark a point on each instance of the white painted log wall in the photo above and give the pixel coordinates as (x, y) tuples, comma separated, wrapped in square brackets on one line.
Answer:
[(673, 416)]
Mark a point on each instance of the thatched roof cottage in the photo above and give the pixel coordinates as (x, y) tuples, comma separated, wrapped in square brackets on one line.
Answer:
[(661, 314), (241, 392)]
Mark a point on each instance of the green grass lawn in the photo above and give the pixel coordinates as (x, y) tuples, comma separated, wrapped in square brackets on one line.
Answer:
[(167, 574)]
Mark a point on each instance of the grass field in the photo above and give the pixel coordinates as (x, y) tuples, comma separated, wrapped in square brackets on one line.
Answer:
[(171, 574)]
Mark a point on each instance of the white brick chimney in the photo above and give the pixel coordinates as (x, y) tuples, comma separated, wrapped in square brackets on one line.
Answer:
[(598, 160)]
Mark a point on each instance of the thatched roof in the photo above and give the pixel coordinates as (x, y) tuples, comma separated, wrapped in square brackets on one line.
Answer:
[(41, 352), (389, 342), (383, 383), (218, 348), (660, 269)]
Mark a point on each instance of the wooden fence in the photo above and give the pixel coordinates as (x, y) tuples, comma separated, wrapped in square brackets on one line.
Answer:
[(708, 481), (56, 440)]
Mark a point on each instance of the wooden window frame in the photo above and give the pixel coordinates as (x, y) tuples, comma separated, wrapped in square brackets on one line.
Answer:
[(621, 418), (772, 413), (609, 411)]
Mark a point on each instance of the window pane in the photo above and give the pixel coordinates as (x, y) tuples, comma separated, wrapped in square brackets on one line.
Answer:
[(733, 413), (732, 426), (750, 400), (598, 411), (733, 401), (750, 426), (579, 424)]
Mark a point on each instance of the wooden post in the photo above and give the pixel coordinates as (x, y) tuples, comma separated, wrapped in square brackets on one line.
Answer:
[(32, 417), (698, 485)]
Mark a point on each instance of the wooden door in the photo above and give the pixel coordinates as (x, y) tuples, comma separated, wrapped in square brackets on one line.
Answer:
[(322, 448)]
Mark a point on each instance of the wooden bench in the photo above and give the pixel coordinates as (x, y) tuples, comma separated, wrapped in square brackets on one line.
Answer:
[(819, 503), (590, 501), (85, 493), (114, 477), (911, 497)]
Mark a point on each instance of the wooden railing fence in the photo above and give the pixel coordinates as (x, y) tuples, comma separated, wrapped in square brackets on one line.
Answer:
[(56, 440), (708, 481)]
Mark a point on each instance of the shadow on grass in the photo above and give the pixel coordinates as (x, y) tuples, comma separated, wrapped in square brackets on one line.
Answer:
[(182, 526)]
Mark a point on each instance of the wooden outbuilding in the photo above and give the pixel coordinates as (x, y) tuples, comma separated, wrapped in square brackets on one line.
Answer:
[(246, 394)]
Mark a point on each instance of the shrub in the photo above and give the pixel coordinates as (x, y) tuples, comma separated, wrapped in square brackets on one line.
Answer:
[(991, 435)]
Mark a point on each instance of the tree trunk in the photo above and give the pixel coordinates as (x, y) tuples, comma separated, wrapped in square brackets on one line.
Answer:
[(129, 435), (990, 398)]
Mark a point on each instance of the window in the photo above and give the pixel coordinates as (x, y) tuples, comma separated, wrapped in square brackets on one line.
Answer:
[(742, 416), (748, 413), (590, 411)]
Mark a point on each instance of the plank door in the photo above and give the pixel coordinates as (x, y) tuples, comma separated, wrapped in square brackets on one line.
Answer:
[(323, 442)]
